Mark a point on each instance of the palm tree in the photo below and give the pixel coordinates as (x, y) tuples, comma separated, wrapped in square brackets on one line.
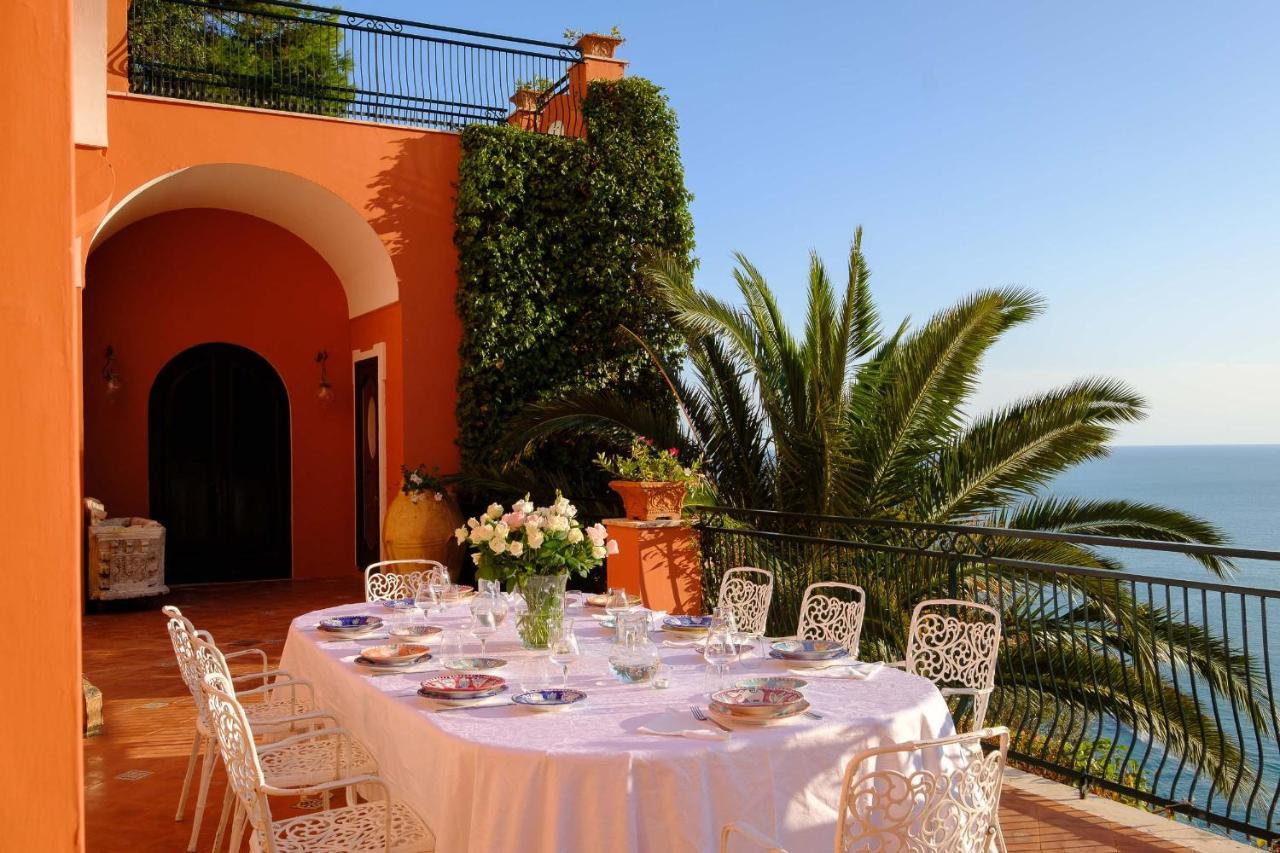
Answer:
[(849, 421)]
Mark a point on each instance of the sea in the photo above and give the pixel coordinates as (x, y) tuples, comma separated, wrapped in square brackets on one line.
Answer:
[(1237, 488)]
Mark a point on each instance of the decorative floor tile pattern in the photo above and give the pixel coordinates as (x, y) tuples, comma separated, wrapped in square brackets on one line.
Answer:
[(149, 723)]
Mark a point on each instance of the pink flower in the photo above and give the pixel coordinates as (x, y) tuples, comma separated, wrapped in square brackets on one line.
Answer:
[(514, 520), (673, 451), (611, 547), (597, 533)]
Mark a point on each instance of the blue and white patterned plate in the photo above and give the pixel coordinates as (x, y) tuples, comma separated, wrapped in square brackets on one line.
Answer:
[(786, 682), (473, 664), (808, 649), (398, 603), (549, 699), (350, 624), (688, 624)]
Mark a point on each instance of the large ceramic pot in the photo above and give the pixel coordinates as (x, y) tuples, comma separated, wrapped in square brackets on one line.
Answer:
[(599, 45), (650, 501), (423, 530), (544, 603)]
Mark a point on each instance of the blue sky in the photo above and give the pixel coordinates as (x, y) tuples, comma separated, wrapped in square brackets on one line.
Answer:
[(1122, 159)]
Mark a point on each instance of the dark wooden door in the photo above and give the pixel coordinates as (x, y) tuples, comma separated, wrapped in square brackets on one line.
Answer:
[(368, 463), (219, 466)]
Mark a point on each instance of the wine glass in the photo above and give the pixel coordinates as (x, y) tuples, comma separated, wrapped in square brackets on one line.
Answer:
[(424, 601), (438, 583), (719, 652), (615, 604), (483, 622), (564, 649)]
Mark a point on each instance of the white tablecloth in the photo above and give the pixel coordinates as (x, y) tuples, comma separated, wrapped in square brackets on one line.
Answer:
[(583, 779)]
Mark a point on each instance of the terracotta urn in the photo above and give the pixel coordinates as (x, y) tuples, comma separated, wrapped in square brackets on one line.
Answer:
[(422, 529), (650, 500), (599, 45), (526, 100)]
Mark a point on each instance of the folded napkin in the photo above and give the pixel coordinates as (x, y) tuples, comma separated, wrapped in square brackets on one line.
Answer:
[(676, 724), (855, 672)]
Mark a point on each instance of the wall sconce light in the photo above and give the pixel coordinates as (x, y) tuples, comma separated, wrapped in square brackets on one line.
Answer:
[(109, 373), (325, 391)]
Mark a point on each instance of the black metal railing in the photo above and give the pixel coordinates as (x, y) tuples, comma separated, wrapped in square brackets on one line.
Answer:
[(1158, 690), (314, 59)]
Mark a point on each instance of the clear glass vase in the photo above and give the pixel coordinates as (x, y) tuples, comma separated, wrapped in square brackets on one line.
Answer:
[(544, 608)]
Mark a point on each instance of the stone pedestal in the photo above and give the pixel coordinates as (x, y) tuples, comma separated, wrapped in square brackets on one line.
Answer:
[(661, 559)]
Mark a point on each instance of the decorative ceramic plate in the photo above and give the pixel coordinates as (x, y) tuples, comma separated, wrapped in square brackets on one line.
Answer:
[(361, 660), (459, 686), (807, 662), (687, 624), (782, 714), (395, 653), (350, 624), (549, 699), (602, 600), (474, 664), (784, 682), (809, 649), (755, 701), (398, 603), (411, 633)]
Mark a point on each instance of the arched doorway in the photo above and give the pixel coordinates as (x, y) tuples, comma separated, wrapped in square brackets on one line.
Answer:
[(218, 426)]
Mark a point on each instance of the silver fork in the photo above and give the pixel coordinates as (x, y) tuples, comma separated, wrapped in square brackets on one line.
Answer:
[(813, 715), (701, 716)]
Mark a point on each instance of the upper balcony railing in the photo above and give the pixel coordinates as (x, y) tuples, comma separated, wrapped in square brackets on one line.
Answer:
[(324, 61), (1159, 690)]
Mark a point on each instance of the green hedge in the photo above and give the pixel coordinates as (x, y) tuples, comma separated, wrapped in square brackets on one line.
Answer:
[(550, 233)]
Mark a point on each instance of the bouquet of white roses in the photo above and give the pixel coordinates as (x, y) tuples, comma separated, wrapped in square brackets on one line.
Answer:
[(529, 540)]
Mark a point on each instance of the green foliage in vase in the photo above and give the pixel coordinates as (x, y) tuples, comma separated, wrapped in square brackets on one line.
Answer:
[(840, 418), (246, 53), (551, 232)]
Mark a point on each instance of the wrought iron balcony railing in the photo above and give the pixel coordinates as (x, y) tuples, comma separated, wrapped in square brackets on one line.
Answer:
[(313, 59), (1158, 690)]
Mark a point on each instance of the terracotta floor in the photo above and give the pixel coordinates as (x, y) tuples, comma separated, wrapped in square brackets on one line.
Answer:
[(148, 725)]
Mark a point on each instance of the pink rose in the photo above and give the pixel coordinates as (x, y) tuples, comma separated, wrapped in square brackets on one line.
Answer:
[(672, 451), (514, 519), (611, 547)]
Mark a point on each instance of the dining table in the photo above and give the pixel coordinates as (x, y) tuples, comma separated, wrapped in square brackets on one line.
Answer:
[(591, 777)]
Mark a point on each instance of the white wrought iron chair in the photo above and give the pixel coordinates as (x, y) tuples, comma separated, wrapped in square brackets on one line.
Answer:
[(949, 799), (381, 825), (826, 616), (304, 760), (747, 592), (276, 716), (392, 586), (954, 644)]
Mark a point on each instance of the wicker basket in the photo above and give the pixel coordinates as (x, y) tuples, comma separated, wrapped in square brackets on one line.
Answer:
[(126, 558)]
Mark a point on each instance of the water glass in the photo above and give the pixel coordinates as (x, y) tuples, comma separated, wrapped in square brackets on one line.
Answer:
[(483, 625), (719, 652), (450, 645), (564, 649), (438, 583)]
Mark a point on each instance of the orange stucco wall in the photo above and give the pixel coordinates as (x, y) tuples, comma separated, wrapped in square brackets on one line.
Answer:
[(400, 180), (41, 786), (189, 277)]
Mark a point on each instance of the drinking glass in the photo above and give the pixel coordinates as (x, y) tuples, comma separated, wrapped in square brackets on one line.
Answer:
[(425, 601), (450, 645), (564, 649), (616, 603), (719, 652), (484, 622), (438, 581)]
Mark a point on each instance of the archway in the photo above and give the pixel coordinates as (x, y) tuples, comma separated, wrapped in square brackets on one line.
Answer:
[(218, 465)]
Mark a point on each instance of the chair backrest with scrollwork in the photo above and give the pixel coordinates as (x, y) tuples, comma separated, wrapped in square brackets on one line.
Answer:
[(394, 585), (239, 756), (833, 611), (925, 795), (182, 634), (747, 592), (954, 642)]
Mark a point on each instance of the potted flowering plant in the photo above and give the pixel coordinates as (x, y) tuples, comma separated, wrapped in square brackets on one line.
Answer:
[(529, 92), (418, 522), (651, 482), (535, 549), (596, 44)]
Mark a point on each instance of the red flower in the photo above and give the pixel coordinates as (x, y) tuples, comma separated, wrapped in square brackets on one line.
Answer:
[(673, 452)]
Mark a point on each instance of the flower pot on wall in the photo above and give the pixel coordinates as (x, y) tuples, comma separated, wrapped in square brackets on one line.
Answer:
[(526, 100), (650, 501), (599, 45), (422, 529)]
